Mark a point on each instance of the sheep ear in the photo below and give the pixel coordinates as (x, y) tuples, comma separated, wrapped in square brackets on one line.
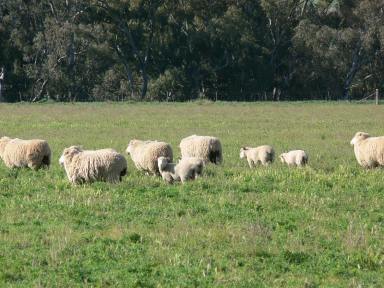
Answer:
[(78, 148)]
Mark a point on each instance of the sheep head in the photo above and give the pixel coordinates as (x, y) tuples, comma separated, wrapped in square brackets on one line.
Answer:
[(358, 137), (282, 157), (3, 141), (162, 162), (131, 145), (242, 152), (68, 153)]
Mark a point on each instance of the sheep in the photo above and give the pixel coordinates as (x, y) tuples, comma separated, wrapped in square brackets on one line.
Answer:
[(262, 154), (190, 168), (18, 153), (144, 154), (369, 151), (167, 170), (294, 158), (187, 169), (86, 166), (207, 148)]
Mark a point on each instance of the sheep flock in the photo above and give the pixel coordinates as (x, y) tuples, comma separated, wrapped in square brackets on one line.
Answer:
[(156, 157)]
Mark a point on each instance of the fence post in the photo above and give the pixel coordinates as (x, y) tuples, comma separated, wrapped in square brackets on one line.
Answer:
[(377, 96)]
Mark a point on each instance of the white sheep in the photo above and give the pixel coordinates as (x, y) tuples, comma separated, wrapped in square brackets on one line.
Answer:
[(86, 166), (369, 151), (207, 148), (262, 154), (167, 170), (294, 158), (190, 168), (187, 169), (144, 154), (18, 153)]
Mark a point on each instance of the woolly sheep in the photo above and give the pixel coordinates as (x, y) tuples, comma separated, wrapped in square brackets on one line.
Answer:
[(262, 154), (187, 169), (18, 153), (369, 151), (207, 148), (86, 166), (294, 158), (190, 168), (167, 170), (145, 154)]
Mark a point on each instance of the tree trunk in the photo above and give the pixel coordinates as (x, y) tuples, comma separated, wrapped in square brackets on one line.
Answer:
[(144, 87), (355, 67), (127, 68), (71, 66), (1, 84), (42, 88)]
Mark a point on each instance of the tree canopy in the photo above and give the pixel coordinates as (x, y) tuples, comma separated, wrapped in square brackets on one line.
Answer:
[(178, 50)]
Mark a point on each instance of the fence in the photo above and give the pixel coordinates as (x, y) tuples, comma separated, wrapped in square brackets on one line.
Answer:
[(375, 95)]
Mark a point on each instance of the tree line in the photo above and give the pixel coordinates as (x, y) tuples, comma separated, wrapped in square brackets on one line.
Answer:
[(179, 50)]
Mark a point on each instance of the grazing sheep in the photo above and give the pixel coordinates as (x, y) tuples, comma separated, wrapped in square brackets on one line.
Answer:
[(145, 153), (86, 166), (167, 170), (294, 158), (205, 147), (369, 151), (187, 169), (262, 154), (18, 153)]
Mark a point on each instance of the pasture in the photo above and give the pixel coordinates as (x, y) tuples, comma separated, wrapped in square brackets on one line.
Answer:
[(320, 226)]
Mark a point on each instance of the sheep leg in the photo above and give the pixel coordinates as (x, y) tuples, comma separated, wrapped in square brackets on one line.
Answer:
[(122, 173), (250, 163), (167, 178), (33, 166), (77, 180), (46, 161), (372, 164)]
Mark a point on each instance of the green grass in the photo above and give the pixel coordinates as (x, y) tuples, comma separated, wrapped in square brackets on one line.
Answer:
[(321, 226)]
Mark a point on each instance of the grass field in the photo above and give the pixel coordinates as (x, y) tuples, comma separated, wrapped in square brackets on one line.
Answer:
[(321, 226)]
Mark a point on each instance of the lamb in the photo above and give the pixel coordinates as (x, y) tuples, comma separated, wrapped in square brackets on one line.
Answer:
[(190, 168), (187, 169), (86, 166), (144, 154), (18, 153), (207, 148), (294, 158), (167, 170), (262, 154), (369, 151)]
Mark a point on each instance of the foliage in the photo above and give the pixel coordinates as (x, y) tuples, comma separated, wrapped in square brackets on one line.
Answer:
[(95, 50)]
